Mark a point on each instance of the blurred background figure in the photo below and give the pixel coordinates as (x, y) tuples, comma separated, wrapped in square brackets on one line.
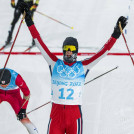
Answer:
[(17, 13)]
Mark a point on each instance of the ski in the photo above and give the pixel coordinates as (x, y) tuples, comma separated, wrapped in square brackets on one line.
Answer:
[(29, 48), (2, 48), (5, 46)]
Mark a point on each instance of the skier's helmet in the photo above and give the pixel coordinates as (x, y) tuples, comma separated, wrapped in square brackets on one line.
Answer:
[(5, 77), (70, 44)]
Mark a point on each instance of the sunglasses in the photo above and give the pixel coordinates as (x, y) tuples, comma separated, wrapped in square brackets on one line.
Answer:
[(69, 48)]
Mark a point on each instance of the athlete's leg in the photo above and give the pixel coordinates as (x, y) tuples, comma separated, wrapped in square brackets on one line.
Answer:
[(54, 127), (76, 127), (17, 14), (15, 101), (74, 120), (56, 123), (33, 42), (29, 126)]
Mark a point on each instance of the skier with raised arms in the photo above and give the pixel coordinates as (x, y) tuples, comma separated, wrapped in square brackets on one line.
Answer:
[(68, 77)]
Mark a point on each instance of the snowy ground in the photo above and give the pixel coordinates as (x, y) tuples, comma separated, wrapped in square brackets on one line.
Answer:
[(108, 102)]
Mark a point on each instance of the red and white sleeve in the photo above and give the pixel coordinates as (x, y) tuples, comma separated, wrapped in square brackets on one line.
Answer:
[(49, 57), (89, 63)]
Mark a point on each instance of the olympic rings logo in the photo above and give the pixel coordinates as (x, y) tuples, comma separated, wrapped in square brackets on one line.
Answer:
[(68, 71)]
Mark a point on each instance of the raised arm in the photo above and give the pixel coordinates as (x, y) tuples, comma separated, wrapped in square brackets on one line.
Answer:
[(50, 58), (89, 63)]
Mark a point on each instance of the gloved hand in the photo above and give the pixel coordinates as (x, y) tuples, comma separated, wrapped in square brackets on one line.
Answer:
[(116, 34), (25, 7), (33, 8), (13, 3), (22, 114)]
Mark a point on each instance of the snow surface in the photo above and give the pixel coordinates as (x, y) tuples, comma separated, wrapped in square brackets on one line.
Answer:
[(108, 102)]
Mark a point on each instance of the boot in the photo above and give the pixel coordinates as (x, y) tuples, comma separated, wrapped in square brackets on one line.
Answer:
[(9, 38), (33, 42)]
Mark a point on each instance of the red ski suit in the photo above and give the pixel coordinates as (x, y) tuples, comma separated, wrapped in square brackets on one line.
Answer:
[(67, 118), (13, 97)]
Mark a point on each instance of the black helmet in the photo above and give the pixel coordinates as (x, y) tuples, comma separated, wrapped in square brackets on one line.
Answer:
[(70, 44), (5, 76)]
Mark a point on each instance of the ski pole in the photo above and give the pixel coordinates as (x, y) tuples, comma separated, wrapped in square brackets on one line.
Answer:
[(12, 46), (27, 98), (125, 42), (2, 48), (54, 19), (38, 107), (5, 46), (100, 75)]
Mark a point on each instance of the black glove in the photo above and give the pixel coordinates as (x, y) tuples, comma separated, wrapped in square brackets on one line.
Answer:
[(13, 3), (33, 8), (25, 7), (116, 34), (22, 114)]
